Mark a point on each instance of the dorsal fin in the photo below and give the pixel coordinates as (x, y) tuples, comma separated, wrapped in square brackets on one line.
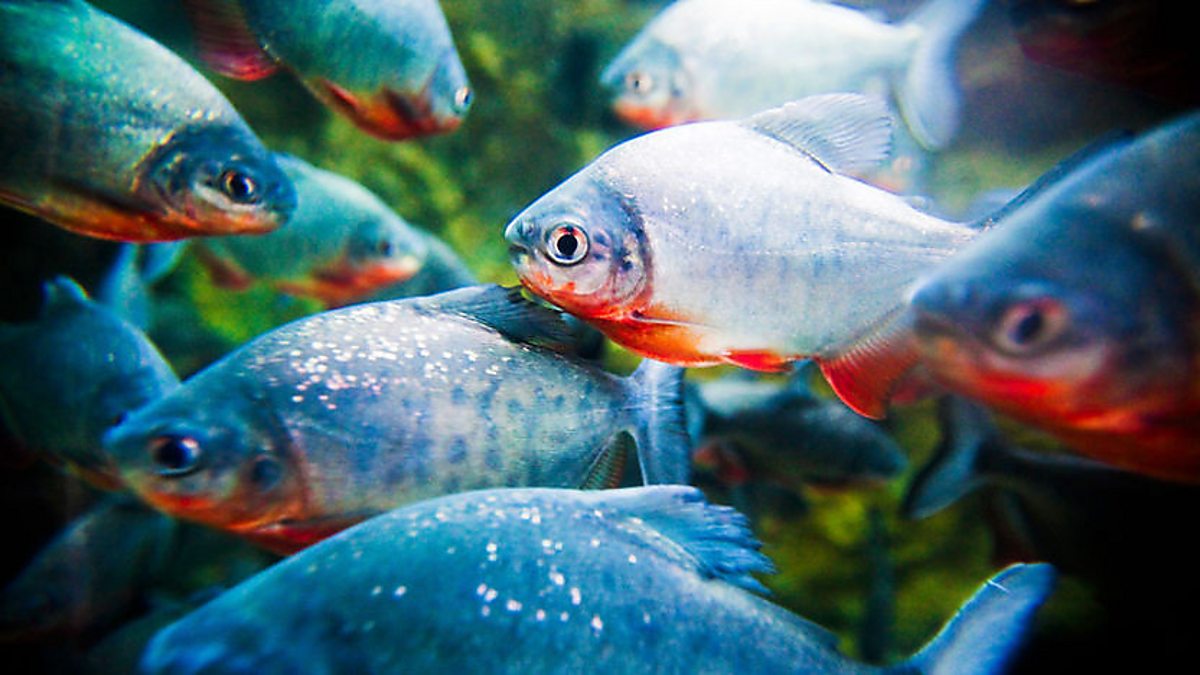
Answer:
[(225, 41), (63, 294), (506, 311), (842, 132), (716, 541)]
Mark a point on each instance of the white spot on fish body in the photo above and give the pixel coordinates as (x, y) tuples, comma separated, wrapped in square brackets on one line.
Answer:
[(576, 595), (400, 591), (632, 559), (512, 606), (490, 595), (540, 615), (377, 590), (481, 589), (597, 624)]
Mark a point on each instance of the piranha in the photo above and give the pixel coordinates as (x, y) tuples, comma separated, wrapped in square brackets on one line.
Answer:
[(103, 369), (637, 580), (716, 59), (741, 242), (109, 134), (349, 413), (341, 244), (759, 437), (1078, 314), (390, 66)]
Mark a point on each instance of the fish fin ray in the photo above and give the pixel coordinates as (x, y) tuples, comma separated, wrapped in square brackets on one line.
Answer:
[(606, 471), (63, 294), (663, 446), (224, 272), (843, 133), (715, 541), (508, 312), (758, 361), (864, 375), (225, 41), (953, 471)]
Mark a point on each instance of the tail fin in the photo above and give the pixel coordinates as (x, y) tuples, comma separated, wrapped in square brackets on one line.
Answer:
[(929, 97), (990, 627), (660, 428), (954, 469)]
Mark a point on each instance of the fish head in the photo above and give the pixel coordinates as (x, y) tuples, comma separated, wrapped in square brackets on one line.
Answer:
[(398, 111), (214, 463), (1064, 328), (379, 252), (218, 180), (650, 85), (581, 247)]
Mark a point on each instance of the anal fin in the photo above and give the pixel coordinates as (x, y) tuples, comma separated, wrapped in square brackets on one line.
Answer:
[(865, 375), (760, 361)]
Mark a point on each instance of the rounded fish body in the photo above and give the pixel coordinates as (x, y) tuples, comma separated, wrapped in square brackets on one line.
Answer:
[(341, 244), (639, 580), (109, 134), (333, 418), (723, 242)]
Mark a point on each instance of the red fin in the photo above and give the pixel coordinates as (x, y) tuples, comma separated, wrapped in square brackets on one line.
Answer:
[(762, 361), (223, 272), (225, 40), (865, 375)]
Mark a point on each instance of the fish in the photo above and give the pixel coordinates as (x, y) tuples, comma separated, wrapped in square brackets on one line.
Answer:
[(715, 59), (442, 270), (341, 244), (1077, 313), (336, 417), (646, 579), (90, 574), (768, 443), (103, 369), (741, 242), (1096, 524), (390, 67), (109, 134)]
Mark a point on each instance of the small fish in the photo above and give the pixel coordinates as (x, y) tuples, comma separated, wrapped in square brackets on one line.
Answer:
[(390, 66), (109, 134), (349, 413), (102, 369), (785, 433), (741, 243), (638, 580), (716, 59), (341, 244), (1078, 315), (443, 270), (90, 574)]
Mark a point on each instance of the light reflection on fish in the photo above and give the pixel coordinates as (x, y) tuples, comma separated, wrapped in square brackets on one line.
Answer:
[(640, 580), (717, 59), (109, 134), (743, 243), (390, 66), (346, 414), (1078, 314), (342, 243)]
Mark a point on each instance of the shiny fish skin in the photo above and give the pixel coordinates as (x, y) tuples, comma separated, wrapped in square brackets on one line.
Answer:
[(720, 59), (341, 244), (109, 134), (343, 415), (1077, 315), (737, 242), (103, 368), (638, 580), (390, 66)]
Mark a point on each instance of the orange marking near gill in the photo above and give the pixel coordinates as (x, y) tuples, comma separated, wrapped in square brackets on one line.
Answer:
[(645, 117), (670, 343)]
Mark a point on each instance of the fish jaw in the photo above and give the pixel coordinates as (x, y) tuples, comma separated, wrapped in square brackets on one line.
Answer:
[(344, 283), (646, 117), (387, 114)]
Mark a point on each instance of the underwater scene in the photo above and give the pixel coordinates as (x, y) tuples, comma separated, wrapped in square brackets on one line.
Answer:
[(390, 336)]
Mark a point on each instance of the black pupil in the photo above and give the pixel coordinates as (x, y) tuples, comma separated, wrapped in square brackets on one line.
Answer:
[(385, 248), (464, 97), (265, 473), (567, 244), (239, 187), (175, 454), (1028, 328)]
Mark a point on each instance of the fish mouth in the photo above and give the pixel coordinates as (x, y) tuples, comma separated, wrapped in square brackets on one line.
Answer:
[(645, 117), (341, 285), (391, 115)]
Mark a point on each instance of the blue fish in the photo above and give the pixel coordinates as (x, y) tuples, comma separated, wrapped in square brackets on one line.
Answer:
[(639, 580)]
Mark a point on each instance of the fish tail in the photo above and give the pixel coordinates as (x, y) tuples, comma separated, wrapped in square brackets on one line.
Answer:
[(954, 470), (929, 97), (990, 627), (660, 427)]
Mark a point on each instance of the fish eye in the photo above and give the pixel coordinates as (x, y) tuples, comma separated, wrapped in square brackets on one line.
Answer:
[(1027, 326), (239, 187), (385, 248), (463, 97), (567, 244), (175, 455), (266, 472), (639, 82)]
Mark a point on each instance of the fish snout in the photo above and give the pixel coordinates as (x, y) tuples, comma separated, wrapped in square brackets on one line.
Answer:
[(519, 234), (941, 307)]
